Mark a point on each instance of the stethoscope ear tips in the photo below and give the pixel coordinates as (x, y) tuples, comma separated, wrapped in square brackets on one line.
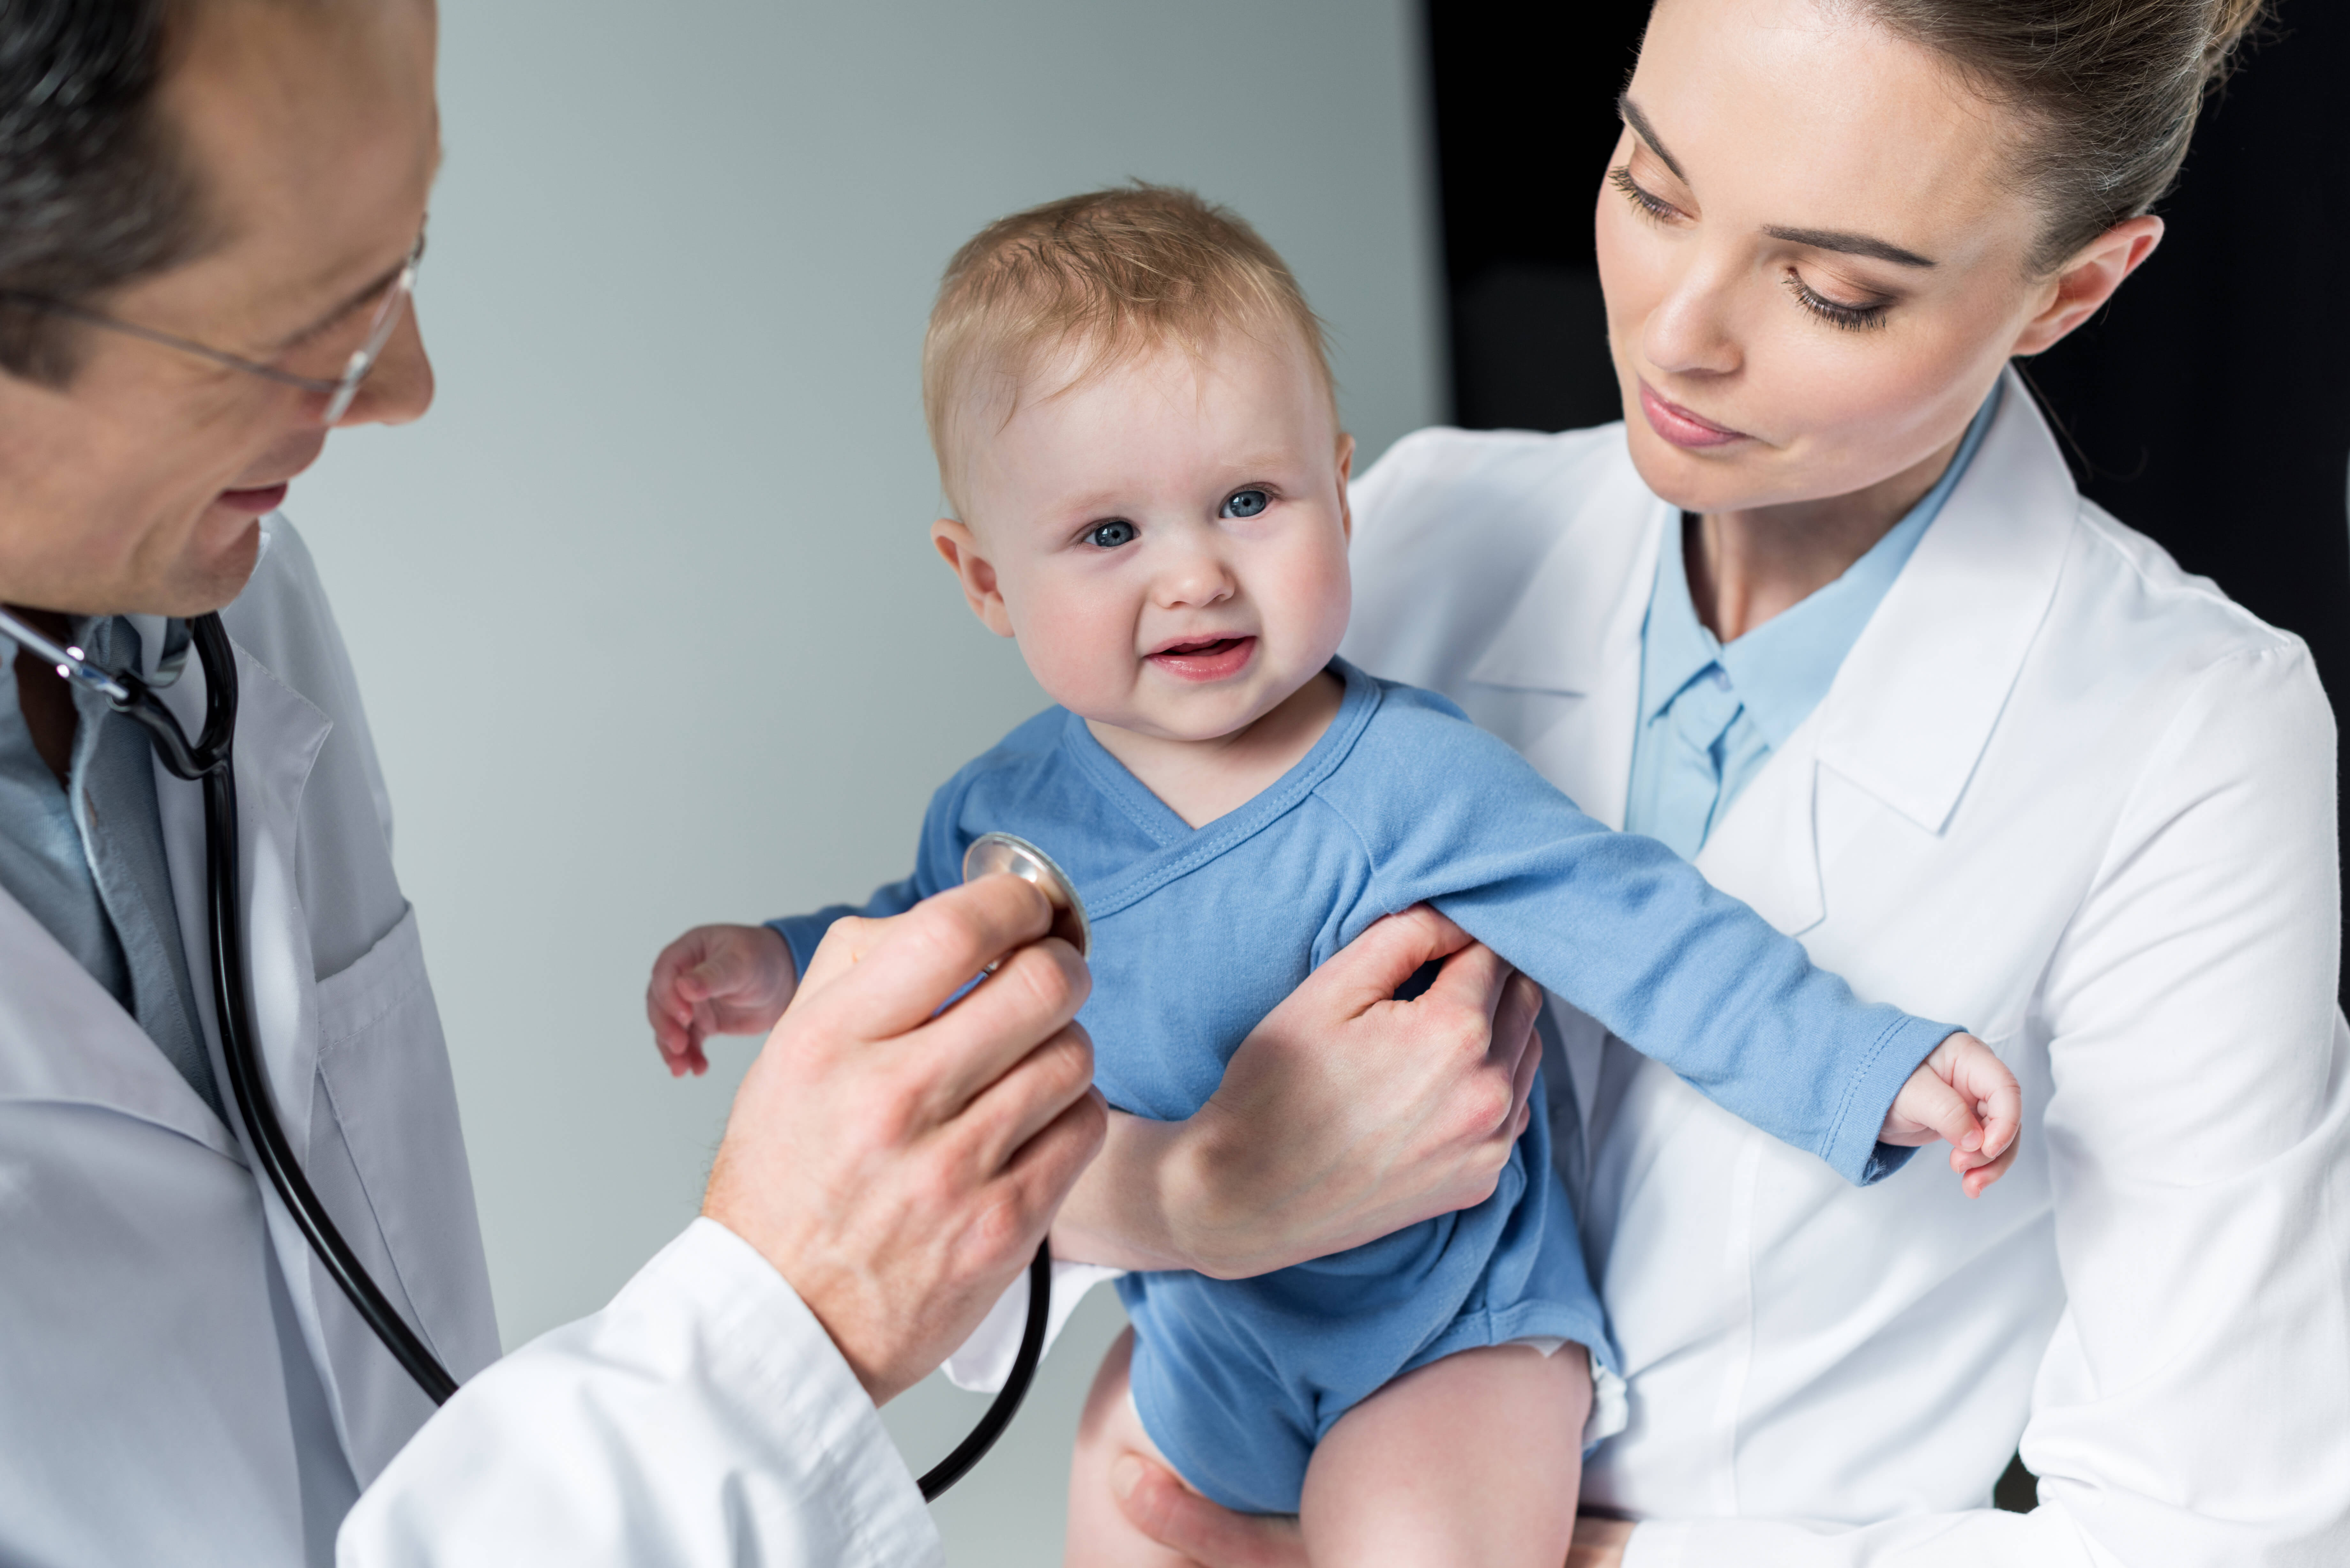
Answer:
[(992, 854)]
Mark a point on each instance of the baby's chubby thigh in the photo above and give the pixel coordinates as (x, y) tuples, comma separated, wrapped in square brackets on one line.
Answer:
[(1473, 1459), (1100, 1534)]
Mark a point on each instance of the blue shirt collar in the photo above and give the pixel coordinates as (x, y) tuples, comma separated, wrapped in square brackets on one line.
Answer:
[(1781, 668)]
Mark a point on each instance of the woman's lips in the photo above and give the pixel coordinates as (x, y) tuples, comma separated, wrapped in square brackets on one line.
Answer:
[(1217, 660), (260, 501), (1680, 426)]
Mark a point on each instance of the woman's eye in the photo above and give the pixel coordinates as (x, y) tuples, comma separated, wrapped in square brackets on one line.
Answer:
[(1246, 502), (1110, 536), (1835, 312), (1649, 205)]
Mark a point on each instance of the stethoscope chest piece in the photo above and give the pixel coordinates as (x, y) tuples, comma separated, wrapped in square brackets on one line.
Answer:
[(992, 854)]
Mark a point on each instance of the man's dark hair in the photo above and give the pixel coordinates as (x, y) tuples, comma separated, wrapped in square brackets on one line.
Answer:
[(92, 192)]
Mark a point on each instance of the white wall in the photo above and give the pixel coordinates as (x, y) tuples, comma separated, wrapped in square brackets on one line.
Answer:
[(644, 611)]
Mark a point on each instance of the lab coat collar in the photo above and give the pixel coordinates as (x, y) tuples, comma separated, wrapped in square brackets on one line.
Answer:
[(1916, 702), (1576, 628)]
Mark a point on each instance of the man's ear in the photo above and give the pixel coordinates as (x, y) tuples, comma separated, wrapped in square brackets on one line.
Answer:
[(959, 549), (1346, 473), (2089, 280)]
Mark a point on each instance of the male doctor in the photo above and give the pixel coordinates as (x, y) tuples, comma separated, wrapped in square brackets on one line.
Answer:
[(210, 213)]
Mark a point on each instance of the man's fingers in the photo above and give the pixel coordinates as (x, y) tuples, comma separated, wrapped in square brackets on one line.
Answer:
[(891, 975), (1003, 1115), (1514, 1031), (1042, 1170), (998, 1022), (1180, 1519)]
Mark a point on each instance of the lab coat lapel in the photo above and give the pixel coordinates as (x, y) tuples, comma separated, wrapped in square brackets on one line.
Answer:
[(1916, 700), (1561, 678), (65, 1041)]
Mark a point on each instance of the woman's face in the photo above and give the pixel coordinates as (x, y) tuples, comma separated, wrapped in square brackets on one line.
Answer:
[(1814, 257)]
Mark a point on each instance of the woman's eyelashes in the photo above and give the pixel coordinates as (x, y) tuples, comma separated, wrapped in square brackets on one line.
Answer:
[(1649, 205), (1835, 312)]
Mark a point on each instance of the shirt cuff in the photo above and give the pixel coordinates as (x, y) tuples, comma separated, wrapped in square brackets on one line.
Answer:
[(986, 1357), (1852, 1149)]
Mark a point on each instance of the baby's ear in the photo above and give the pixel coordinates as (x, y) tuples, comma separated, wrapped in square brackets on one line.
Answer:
[(1346, 476), (958, 549)]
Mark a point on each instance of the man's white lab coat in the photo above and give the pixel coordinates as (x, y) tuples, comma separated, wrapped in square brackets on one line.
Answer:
[(181, 1383), (2065, 793)]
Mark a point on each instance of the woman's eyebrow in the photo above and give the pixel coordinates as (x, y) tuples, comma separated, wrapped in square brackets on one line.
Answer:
[(1648, 133), (1818, 239), (1850, 244)]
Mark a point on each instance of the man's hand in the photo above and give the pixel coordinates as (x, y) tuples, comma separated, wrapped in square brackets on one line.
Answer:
[(1294, 1157), (716, 979), (898, 1167), (1965, 1095)]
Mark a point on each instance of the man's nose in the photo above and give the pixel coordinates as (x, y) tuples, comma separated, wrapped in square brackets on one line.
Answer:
[(399, 388)]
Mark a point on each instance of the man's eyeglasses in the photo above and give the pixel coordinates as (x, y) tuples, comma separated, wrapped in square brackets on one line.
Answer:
[(348, 370)]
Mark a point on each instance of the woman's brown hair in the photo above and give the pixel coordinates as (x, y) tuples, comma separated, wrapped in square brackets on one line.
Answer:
[(2110, 89)]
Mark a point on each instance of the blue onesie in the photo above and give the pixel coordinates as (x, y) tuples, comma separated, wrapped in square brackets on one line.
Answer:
[(1198, 933)]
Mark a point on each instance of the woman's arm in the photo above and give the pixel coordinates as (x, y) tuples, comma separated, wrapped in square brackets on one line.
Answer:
[(1291, 1160)]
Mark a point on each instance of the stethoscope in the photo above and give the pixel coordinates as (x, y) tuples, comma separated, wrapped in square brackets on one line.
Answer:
[(207, 761)]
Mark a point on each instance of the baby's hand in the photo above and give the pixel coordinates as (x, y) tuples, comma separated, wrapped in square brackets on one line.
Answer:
[(1966, 1096), (717, 979)]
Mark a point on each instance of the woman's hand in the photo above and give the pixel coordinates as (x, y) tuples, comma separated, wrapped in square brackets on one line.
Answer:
[(1345, 1116)]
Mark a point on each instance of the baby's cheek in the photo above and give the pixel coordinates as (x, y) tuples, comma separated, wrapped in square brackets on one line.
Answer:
[(1080, 650)]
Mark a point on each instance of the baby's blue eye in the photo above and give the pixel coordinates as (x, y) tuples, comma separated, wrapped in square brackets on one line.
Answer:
[(1246, 502), (1110, 536)]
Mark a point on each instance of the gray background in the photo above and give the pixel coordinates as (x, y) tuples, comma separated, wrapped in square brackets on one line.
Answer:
[(644, 612)]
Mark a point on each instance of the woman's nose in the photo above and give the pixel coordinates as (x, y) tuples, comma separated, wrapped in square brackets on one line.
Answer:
[(1689, 331), (399, 388)]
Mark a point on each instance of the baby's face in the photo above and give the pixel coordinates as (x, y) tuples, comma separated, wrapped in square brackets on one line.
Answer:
[(1166, 540)]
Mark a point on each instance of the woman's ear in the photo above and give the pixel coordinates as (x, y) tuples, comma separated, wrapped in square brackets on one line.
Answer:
[(2089, 280), (960, 548)]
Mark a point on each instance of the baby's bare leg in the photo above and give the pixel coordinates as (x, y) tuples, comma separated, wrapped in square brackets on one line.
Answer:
[(1474, 1459), (1099, 1535)]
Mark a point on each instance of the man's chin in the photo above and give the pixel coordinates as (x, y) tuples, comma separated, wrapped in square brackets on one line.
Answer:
[(212, 573)]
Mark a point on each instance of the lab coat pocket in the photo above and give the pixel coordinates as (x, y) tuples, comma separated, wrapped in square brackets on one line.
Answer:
[(384, 1067)]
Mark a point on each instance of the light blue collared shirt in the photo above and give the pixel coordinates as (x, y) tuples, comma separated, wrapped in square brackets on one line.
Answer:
[(1711, 713)]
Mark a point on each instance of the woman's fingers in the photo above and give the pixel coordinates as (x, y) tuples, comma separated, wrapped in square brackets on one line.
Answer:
[(1372, 968), (1181, 1520)]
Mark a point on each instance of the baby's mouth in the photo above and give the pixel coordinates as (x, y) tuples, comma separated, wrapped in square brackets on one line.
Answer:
[(1209, 658)]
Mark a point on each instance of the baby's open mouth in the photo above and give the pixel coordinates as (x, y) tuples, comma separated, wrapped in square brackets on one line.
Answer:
[(1208, 658)]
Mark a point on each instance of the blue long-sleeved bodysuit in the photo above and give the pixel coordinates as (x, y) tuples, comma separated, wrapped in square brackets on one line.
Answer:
[(1198, 933)]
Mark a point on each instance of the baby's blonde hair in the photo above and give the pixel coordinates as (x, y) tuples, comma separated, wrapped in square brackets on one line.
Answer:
[(1122, 272)]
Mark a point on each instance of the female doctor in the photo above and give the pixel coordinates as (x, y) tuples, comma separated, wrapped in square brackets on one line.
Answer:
[(1827, 614)]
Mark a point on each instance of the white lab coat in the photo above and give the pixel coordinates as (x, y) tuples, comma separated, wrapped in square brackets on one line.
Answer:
[(2065, 794), (180, 1382)]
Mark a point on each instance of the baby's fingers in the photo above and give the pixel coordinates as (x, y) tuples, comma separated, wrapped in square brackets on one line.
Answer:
[(1932, 1108)]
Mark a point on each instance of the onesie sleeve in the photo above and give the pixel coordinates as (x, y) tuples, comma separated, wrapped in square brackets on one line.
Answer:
[(938, 866), (1629, 932)]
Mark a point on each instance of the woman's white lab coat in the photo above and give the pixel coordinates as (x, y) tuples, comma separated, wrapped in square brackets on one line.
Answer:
[(2060, 792), (180, 1383)]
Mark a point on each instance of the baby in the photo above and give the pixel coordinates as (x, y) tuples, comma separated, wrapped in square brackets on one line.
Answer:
[(1136, 431)]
